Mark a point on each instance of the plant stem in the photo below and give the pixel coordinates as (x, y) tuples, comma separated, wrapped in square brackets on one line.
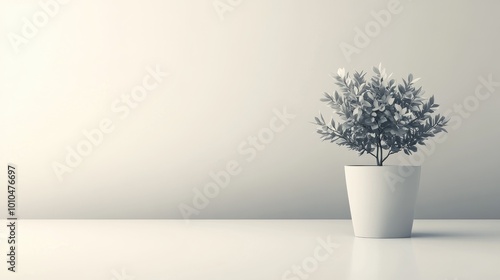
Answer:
[(379, 144), (381, 155)]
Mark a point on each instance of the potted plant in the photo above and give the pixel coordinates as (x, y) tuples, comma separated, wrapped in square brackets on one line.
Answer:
[(380, 117)]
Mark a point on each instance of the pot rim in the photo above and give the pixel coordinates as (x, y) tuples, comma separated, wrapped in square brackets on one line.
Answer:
[(359, 165)]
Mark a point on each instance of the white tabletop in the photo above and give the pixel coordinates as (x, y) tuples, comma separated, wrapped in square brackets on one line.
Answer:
[(249, 249)]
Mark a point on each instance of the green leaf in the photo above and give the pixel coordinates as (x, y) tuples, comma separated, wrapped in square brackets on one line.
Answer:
[(401, 89)]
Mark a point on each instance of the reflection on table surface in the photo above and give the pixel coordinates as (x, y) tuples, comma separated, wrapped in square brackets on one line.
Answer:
[(250, 249)]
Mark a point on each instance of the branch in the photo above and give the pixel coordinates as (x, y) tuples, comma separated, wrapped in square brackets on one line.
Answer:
[(370, 153), (390, 153)]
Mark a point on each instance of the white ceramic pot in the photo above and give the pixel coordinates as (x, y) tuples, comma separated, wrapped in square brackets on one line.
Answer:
[(382, 199)]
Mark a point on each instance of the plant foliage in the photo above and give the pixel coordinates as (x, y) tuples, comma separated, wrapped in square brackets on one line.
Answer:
[(379, 117)]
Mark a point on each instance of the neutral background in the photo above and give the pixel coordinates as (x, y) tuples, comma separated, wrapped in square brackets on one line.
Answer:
[(228, 72)]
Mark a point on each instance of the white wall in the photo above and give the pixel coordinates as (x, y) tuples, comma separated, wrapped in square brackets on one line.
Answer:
[(229, 71)]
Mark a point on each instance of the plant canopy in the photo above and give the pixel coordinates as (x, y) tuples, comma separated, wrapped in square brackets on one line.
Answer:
[(379, 117)]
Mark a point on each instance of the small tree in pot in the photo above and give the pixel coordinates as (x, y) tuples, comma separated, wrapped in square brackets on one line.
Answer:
[(380, 117)]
